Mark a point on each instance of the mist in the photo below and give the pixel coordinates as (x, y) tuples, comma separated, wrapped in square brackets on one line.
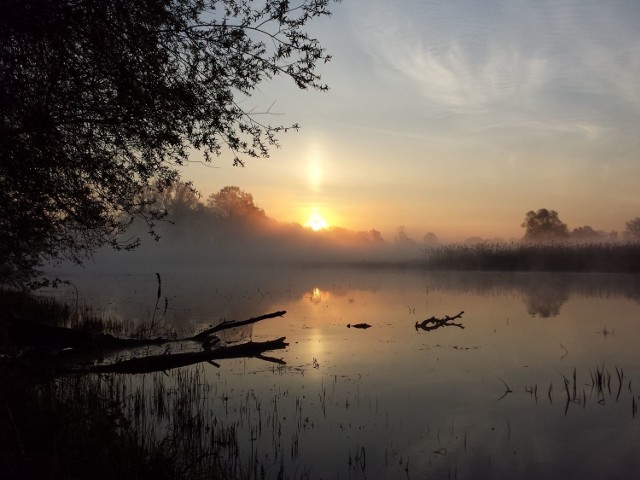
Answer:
[(228, 230)]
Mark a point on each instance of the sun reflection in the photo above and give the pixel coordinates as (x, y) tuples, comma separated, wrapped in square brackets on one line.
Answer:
[(317, 295)]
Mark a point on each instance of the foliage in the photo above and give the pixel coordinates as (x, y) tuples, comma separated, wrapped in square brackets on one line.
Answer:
[(234, 204), (102, 99), (633, 229), (430, 238), (587, 233), (544, 225)]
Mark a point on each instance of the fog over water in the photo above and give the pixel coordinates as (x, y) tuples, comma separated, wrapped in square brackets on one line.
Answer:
[(505, 389), (430, 401)]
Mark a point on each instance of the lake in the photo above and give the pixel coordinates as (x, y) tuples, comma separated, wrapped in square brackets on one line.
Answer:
[(538, 378)]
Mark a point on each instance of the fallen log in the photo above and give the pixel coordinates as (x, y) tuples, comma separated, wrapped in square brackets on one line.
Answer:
[(226, 325), (43, 336), (157, 363)]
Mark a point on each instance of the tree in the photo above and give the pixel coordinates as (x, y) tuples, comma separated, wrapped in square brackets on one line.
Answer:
[(375, 236), (233, 204), (544, 225), (587, 233), (430, 238), (177, 200), (102, 99), (402, 238), (633, 229)]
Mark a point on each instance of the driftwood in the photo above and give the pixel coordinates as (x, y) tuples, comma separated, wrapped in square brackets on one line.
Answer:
[(434, 323), (80, 345), (226, 325), (50, 337), (157, 363)]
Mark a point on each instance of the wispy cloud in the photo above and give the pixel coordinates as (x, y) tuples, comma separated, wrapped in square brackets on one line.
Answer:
[(565, 65)]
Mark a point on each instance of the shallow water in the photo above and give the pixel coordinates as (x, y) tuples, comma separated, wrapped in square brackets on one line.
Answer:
[(511, 391)]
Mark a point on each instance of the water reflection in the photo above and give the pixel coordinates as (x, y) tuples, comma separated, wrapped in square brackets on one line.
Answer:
[(384, 402), (317, 295), (545, 300), (210, 297)]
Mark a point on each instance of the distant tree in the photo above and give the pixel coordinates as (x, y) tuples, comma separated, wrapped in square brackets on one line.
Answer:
[(177, 200), (430, 238), (544, 225), (100, 99), (633, 229), (370, 236), (233, 204), (587, 233), (402, 238), (375, 236)]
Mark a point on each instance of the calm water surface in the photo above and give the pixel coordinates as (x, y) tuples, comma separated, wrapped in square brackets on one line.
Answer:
[(511, 391)]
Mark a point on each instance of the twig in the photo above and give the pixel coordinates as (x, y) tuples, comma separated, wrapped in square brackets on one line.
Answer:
[(434, 323), (507, 391)]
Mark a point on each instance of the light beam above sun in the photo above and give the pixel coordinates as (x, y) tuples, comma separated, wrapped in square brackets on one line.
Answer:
[(316, 222)]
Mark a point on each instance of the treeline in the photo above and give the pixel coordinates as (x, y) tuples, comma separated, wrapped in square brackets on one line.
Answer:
[(228, 226)]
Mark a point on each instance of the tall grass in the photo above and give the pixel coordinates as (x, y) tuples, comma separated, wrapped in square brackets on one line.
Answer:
[(546, 257)]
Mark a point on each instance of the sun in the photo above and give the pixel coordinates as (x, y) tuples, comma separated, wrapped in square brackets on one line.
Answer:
[(316, 222)]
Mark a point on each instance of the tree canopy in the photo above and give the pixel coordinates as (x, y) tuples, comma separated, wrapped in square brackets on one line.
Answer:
[(233, 203), (102, 99), (544, 225)]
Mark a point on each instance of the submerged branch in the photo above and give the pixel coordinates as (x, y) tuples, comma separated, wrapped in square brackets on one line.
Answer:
[(66, 349), (434, 323), (50, 337), (156, 363)]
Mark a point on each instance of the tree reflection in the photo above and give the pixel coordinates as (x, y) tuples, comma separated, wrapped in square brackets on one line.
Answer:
[(545, 300)]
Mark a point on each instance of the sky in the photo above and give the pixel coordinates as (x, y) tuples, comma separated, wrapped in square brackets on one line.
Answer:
[(456, 117)]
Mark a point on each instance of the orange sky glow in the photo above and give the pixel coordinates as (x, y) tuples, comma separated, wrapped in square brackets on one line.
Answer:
[(457, 127)]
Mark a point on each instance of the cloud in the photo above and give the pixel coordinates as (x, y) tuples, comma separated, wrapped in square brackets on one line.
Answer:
[(559, 65)]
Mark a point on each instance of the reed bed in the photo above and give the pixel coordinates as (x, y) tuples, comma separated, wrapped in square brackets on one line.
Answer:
[(548, 257)]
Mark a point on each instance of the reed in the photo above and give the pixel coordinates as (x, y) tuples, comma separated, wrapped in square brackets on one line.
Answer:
[(522, 256)]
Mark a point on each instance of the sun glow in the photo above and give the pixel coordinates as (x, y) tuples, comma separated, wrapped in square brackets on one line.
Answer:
[(316, 222)]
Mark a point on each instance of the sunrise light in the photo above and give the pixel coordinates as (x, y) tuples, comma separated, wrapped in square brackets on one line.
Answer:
[(316, 222)]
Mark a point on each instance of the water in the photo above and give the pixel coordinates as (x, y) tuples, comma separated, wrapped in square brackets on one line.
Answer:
[(539, 378)]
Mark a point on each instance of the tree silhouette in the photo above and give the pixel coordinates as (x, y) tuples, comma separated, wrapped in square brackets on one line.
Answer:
[(544, 225), (430, 238), (232, 203), (402, 238), (633, 229), (587, 233), (102, 99)]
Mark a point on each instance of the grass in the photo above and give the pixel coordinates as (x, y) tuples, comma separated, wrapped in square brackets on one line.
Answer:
[(174, 425), (551, 257), (622, 257), (100, 426)]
